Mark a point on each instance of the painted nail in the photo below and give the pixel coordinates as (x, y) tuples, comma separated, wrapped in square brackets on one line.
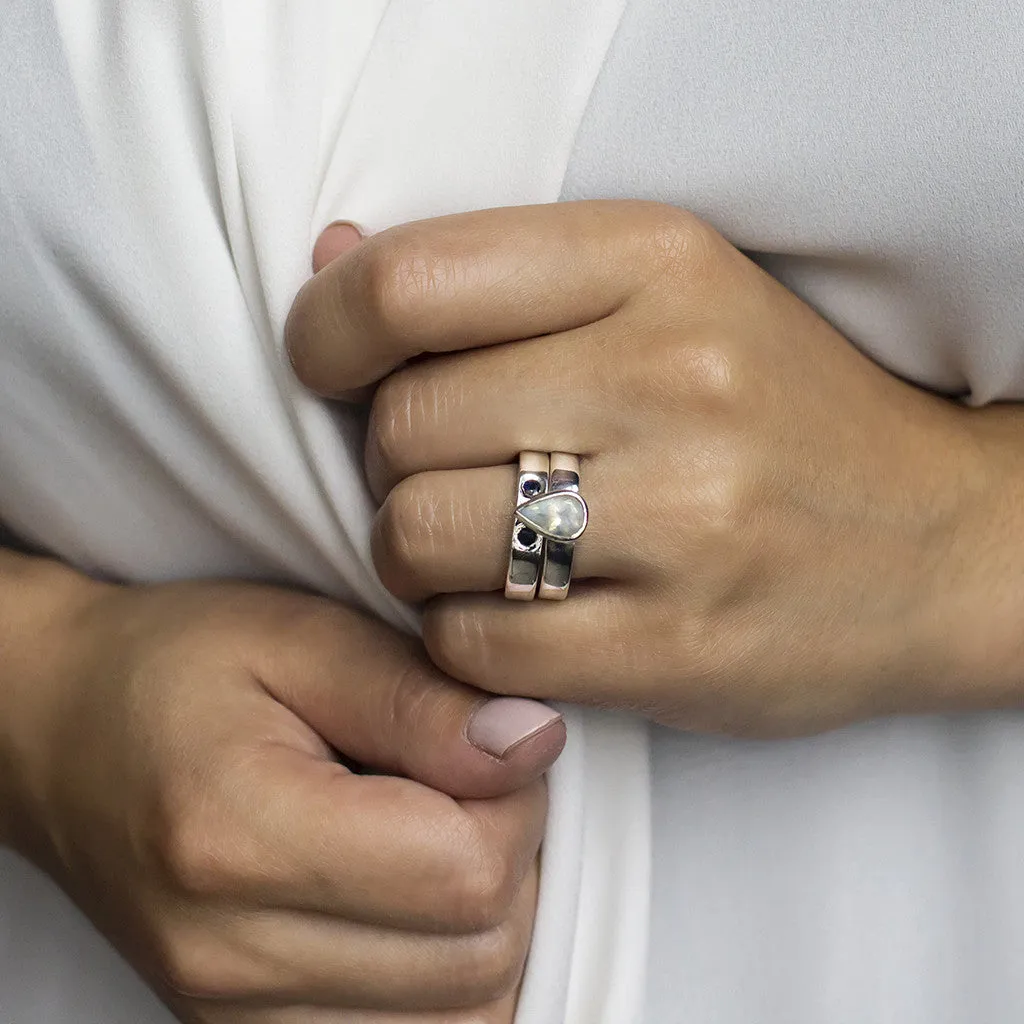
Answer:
[(503, 723)]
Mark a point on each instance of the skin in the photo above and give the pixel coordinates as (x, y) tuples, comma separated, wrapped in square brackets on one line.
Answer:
[(784, 537), (167, 755)]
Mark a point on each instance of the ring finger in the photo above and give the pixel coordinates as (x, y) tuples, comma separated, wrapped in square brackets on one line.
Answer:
[(449, 531)]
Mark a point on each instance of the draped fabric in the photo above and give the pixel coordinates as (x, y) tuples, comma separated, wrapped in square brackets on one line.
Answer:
[(164, 168)]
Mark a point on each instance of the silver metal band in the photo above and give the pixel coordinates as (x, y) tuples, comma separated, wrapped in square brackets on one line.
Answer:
[(550, 517), (527, 554), (556, 572)]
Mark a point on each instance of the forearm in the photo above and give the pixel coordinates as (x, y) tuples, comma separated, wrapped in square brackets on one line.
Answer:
[(37, 601)]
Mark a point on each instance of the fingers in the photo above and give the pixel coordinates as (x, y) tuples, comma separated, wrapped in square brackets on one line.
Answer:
[(482, 408), (385, 705), (582, 650), (602, 388), (474, 279), (450, 531), (501, 1012), (302, 833), (337, 239), (310, 960)]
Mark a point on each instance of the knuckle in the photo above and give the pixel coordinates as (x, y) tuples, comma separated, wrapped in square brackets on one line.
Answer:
[(410, 407), (205, 849), (458, 645), (378, 276), (675, 366), (486, 883), (678, 244), (391, 427), (706, 371), (193, 858), (718, 499), (409, 706), (407, 530), (400, 274), (492, 963), (190, 965)]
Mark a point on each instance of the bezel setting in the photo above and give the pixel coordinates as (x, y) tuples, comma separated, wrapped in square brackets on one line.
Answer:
[(565, 536)]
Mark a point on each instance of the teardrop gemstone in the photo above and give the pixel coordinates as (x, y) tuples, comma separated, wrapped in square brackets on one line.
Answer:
[(559, 515)]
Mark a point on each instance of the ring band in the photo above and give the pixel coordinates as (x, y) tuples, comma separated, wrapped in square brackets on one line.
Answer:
[(550, 517), (556, 571), (527, 554)]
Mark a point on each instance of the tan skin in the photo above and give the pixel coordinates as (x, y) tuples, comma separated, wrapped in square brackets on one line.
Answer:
[(784, 537), (166, 755)]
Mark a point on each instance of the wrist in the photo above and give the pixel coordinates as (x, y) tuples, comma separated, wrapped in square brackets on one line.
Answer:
[(39, 603), (983, 584)]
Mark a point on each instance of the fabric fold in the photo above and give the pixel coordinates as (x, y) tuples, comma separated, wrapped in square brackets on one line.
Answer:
[(209, 143)]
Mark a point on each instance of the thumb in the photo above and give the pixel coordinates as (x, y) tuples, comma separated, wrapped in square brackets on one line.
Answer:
[(373, 694), (335, 239)]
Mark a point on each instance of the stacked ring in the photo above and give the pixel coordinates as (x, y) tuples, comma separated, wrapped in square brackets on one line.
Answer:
[(550, 517), (527, 555)]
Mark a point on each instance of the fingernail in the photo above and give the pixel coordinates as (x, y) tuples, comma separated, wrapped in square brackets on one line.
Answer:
[(503, 723), (346, 230), (335, 239)]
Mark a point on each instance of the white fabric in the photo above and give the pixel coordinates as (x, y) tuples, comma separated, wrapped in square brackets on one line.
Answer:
[(868, 154), (167, 166)]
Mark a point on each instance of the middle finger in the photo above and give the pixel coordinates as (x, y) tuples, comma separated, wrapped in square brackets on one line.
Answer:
[(481, 408)]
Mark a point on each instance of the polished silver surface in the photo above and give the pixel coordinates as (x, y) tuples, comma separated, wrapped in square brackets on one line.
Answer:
[(568, 516), (526, 556)]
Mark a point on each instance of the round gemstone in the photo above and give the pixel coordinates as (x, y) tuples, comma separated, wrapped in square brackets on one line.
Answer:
[(531, 488), (526, 537)]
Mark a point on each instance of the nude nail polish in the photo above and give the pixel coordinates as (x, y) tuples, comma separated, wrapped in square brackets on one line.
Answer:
[(500, 725)]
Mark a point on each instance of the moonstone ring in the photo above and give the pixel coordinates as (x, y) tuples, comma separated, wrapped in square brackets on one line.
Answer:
[(550, 517), (560, 516)]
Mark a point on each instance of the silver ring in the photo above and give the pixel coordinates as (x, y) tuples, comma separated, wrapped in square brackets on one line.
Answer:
[(527, 555), (561, 518), (550, 517)]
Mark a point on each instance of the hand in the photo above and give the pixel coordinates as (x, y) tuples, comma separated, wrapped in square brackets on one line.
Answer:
[(778, 526), (183, 788)]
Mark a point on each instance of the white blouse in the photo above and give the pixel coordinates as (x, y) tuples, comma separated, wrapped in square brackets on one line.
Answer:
[(165, 167)]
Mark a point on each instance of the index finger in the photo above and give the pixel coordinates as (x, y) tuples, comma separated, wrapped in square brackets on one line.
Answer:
[(474, 279)]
